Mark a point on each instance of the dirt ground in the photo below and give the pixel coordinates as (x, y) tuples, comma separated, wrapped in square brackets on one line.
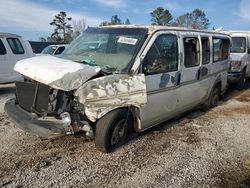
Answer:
[(200, 149)]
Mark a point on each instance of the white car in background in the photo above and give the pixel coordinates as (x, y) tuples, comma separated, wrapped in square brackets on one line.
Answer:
[(54, 49), (12, 49)]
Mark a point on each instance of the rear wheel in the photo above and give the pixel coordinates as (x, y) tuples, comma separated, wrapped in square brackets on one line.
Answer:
[(215, 96), (113, 129), (213, 99), (241, 84)]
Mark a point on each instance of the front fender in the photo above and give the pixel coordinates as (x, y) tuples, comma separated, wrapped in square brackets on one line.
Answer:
[(102, 95)]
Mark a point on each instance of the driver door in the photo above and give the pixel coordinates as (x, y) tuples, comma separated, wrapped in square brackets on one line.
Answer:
[(161, 69)]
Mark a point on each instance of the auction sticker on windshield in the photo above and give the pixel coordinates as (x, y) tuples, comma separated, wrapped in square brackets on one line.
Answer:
[(127, 40)]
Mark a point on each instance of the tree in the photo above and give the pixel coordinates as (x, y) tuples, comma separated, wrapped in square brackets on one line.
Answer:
[(55, 39), (127, 22), (115, 20), (161, 16), (63, 30), (194, 20), (78, 27), (42, 39)]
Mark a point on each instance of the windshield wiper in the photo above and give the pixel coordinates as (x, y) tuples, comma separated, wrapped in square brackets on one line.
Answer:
[(106, 69), (88, 62)]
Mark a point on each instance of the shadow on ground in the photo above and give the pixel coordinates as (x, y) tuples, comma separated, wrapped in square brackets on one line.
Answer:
[(7, 89)]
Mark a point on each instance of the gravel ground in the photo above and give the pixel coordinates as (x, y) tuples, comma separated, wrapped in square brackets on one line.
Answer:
[(200, 149)]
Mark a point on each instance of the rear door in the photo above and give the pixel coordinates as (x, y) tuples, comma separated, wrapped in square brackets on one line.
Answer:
[(206, 77), (161, 68), (190, 90)]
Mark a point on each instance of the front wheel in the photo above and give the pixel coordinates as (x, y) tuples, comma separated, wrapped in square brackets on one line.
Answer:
[(112, 130)]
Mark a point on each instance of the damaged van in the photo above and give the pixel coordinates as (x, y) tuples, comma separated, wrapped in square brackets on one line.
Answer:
[(240, 58), (115, 80)]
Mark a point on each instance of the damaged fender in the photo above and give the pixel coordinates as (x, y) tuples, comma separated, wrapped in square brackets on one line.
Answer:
[(100, 96)]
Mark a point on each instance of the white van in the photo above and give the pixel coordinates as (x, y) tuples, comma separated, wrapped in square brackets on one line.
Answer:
[(240, 58), (136, 78), (12, 49)]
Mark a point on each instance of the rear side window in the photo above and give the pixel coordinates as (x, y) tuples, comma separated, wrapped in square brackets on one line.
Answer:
[(220, 49), (192, 52), (2, 48), (205, 50), (15, 45)]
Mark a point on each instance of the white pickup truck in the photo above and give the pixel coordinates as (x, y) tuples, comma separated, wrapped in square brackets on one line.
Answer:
[(12, 49)]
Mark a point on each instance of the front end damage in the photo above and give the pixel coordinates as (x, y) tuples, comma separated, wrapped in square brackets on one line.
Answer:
[(58, 107), (44, 111)]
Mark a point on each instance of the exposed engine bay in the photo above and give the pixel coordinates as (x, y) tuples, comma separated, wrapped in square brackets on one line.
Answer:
[(45, 102)]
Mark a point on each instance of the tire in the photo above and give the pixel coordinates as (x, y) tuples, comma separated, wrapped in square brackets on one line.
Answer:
[(113, 129), (241, 84), (215, 96), (213, 99)]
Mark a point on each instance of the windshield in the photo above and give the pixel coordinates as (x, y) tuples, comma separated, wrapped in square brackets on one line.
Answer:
[(49, 50), (113, 48), (238, 45)]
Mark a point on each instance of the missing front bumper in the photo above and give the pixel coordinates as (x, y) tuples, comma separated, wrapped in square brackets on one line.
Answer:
[(48, 128)]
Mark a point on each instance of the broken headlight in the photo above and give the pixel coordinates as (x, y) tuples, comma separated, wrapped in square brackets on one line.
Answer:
[(77, 105), (235, 66)]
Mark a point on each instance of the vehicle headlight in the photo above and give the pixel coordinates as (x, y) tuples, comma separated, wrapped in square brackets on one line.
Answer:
[(235, 65), (77, 105)]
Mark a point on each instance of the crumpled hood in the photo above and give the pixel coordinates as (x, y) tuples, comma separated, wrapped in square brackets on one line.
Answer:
[(58, 73)]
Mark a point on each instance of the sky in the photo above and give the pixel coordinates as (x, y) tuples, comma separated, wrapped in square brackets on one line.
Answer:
[(31, 18)]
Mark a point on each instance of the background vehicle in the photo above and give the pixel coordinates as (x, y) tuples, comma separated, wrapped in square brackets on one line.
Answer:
[(114, 80), (38, 46), (240, 58), (12, 49), (54, 49)]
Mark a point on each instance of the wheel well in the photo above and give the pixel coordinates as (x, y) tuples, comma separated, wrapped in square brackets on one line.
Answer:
[(218, 83), (134, 111)]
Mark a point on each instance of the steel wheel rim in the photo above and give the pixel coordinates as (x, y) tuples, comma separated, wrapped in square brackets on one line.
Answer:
[(215, 98), (118, 132)]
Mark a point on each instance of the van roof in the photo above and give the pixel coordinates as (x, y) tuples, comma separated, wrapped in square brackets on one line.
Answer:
[(154, 28), (239, 33), (8, 35)]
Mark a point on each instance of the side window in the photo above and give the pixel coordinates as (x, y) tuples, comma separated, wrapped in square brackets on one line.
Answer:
[(59, 50), (220, 49), (162, 56), (2, 48), (205, 50), (192, 52), (15, 45)]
